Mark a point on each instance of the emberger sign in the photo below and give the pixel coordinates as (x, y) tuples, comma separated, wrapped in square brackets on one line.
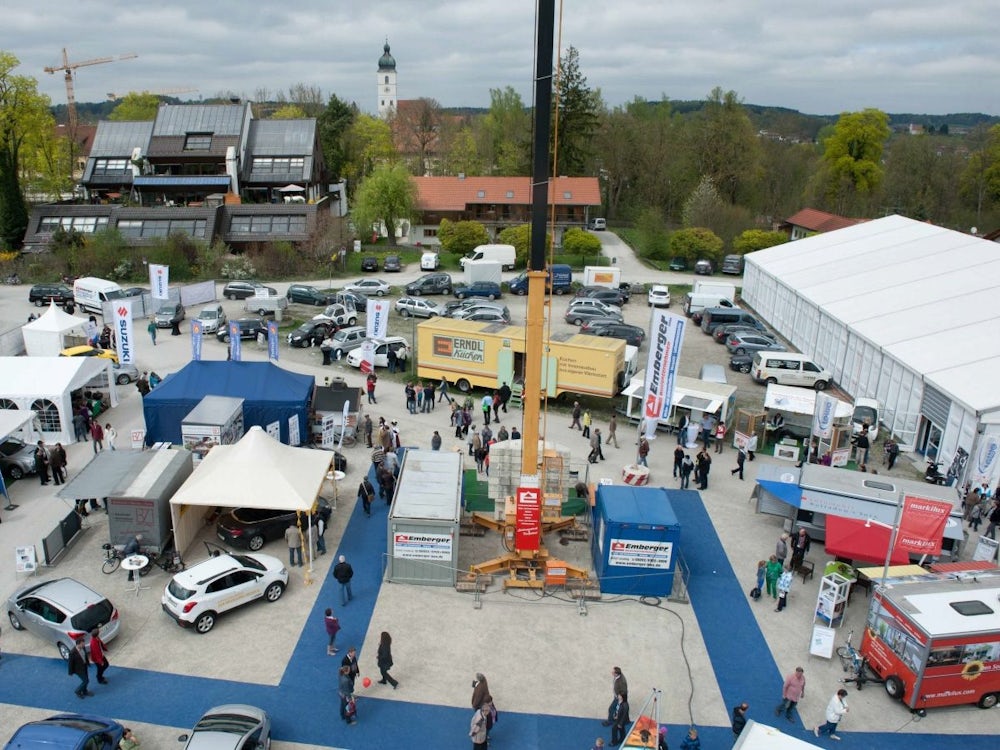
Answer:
[(453, 347)]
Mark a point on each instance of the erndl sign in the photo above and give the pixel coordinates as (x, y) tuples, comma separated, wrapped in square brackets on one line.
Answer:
[(661, 369), (122, 326)]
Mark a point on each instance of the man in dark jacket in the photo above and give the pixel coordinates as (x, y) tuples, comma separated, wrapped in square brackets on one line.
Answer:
[(343, 572), (621, 722), (42, 462), (619, 687), (739, 718), (79, 664), (504, 397)]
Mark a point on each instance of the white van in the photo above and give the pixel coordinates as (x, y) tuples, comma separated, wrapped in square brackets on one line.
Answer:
[(505, 255), (90, 293), (789, 368), (429, 262), (599, 225)]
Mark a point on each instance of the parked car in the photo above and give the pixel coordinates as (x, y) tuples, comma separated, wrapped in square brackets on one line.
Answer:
[(41, 294), (392, 264), (579, 303), (134, 291), (370, 287), (197, 596), (121, 374), (580, 315), (169, 314), (234, 726), (741, 343), (337, 316), (631, 335), (418, 308), (369, 263), (678, 264), (866, 410), (741, 362), (357, 299), (308, 295), (485, 315), (68, 732), (605, 294), (382, 347), (599, 225), (244, 289), (722, 333), (310, 333), (17, 458), (431, 283), (347, 340), (60, 610), (251, 528), (658, 296), (488, 289), (703, 267), (86, 350), (733, 264), (476, 305), (212, 318), (453, 306), (248, 327)]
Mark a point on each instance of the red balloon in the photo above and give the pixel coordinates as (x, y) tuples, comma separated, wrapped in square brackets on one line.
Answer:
[(367, 682)]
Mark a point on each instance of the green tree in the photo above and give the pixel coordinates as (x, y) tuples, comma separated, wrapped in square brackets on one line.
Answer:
[(367, 145), (506, 134), (288, 112), (385, 198), (136, 106), (757, 239), (695, 243), (652, 236), (332, 127), (520, 238), (920, 178), (853, 156), (576, 120), (460, 237), (576, 241), (725, 147), (980, 181), (703, 203), (462, 155)]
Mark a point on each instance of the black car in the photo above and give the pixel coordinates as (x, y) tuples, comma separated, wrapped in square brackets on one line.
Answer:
[(741, 362), (41, 294), (310, 333), (604, 294), (431, 283), (250, 528), (249, 328), (134, 291), (359, 300), (244, 289), (392, 263), (309, 295), (488, 289), (369, 263), (631, 335), (678, 264)]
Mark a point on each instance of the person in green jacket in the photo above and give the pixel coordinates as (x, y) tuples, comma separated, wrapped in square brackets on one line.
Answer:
[(771, 575), (152, 331)]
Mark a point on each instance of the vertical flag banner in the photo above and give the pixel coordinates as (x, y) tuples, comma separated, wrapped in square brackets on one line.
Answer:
[(367, 356), (921, 526), (159, 280), (986, 460), (235, 343), (666, 338), (197, 330), (122, 326), (378, 319), (272, 340), (826, 407)]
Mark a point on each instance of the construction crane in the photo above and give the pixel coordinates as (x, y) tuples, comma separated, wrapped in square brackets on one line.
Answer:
[(69, 67), (159, 92)]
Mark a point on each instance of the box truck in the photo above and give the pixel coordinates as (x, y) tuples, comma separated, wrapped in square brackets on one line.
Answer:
[(505, 255), (470, 354), (608, 276), (708, 294), (483, 270)]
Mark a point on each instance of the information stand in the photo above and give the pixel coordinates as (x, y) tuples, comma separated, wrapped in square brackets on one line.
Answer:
[(832, 600)]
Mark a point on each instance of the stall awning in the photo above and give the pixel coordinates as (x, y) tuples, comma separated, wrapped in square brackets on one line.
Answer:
[(850, 538), (785, 492)]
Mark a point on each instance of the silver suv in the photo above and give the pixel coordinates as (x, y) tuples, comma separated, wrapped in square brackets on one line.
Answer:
[(347, 340), (58, 611)]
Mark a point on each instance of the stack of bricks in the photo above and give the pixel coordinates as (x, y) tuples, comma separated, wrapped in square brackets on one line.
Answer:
[(505, 469)]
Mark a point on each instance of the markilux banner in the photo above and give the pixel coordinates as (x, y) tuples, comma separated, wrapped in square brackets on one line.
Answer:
[(667, 335), (122, 326), (921, 525), (378, 318), (159, 280)]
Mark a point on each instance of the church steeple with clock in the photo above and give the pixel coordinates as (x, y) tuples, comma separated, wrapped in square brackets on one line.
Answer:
[(386, 83)]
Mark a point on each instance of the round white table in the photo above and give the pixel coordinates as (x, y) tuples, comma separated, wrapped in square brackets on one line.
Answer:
[(133, 564)]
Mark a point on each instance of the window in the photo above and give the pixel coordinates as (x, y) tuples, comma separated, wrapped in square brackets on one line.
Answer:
[(6, 403), (971, 607), (141, 228), (198, 142), (282, 224), (568, 195), (480, 193), (110, 166), (510, 193), (82, 224), (48, 415), (428, 232), (283, 165), (810, 367)]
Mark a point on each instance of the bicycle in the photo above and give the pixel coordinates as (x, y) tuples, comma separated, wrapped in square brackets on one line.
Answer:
[(850, 658), (852, 661), (113, 557), (169, 562)]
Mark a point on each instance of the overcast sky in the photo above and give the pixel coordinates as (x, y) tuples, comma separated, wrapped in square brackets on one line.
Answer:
[(922, 56)]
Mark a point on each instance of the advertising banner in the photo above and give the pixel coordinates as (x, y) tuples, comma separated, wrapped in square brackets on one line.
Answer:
[(272, 340), (122, 326), (159, 280), (528, 530), (666, 338), (197, 331), (367, 356), (413, 546), (638, 553), (235, 343), (985, 465), (293, 431), (921, 525), (378, 318), (826, 407)]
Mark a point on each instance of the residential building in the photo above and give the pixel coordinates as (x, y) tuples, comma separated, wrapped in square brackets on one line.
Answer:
[(812, 221)]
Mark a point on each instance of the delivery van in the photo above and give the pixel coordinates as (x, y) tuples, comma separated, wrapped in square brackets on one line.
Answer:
[(560, 281), (789, 368), (505, 255), (90, 293), (429, 261)]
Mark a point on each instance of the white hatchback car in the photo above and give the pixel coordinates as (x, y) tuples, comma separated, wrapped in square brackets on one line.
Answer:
[(197, 596), (659, 296), (381, 351)]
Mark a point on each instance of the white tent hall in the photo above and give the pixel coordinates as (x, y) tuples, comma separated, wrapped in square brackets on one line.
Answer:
[(256, 472), (44, 336)]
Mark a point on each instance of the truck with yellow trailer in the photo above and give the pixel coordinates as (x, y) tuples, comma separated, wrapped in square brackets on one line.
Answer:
[(472, 353)]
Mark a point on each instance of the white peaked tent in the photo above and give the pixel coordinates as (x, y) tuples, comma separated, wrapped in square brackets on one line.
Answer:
[(43, 337), (256, 472)]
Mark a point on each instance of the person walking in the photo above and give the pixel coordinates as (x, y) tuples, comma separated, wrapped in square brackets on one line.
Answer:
[(835, 711), (687, 466), (771, 575), (57, 462), (595, 447), (791, 693), (741, 457), (891, 449), (586, 423), (643, 451), (80, 429), (612, 430), (319, 524), (496, 407), (752, 447), (345, 689), (110, 434), (784, 586), (505, 394), (486, 405), (740, 718), (720, 436), (332, 625), (42, 462), (99, 655), (576, 414), (621, 721), (384, 660), (97, 435), (370, 387), (343, 572), (477, 729), (436, 441), (619, 686), (294, 540), (151, 328), (704, 466), (443, 391), (678, 460), (79, 665)]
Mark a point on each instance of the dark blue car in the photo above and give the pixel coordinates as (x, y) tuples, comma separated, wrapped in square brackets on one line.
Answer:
[(488, 289), (68, 732)]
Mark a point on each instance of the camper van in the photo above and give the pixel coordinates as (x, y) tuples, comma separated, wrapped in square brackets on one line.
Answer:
[(90, 293), (505, 255)]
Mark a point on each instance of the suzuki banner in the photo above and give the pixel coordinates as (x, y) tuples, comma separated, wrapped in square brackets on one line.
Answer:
[(235, 343), (122, 326), (378, 318), (666, 338), (921, 525), (826, 407), (159, 280), (197, 330), (272, 340)]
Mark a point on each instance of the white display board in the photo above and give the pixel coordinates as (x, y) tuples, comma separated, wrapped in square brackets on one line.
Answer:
[(25, 560), (822, 641), (986, 549)]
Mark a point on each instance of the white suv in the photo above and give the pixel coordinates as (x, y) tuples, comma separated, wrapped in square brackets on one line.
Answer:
[(382, 347), (659, 296), (197, 596)]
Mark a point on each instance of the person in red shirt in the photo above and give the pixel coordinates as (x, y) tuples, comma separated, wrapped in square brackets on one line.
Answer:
[(98, 655)]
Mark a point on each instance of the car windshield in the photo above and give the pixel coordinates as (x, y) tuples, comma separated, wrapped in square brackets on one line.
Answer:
[(862, 413), (231, 723), (209, 314), (249, 562), (179, 592), (94, 616), (167, 310)]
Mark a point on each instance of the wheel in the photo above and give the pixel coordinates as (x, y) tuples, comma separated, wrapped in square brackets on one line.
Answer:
[(230, 296), (256, 542), (846, 658), (463, 385), (460, 295), (740, 350), (262, 312), (379, 293), (560, 292), (521, 292), (894, 687), (820, 385), (14, 622), (578, 322), (63, 651), (39, 303), (110, 566), (492, 297), (404, 312), (226, 338), (147, 569), (16, 472), (745, 368), (273, 592), (337, 353), (989, 700), (122, 379), (772, 381), (205, 622), (352, 321)]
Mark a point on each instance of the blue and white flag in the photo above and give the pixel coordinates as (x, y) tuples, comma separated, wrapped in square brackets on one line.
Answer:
[(197, 331), (272, 340), (665, 341), (235, 343)]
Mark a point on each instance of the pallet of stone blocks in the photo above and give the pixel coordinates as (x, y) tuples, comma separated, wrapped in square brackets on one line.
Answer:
[(472, 583), (505, 469)]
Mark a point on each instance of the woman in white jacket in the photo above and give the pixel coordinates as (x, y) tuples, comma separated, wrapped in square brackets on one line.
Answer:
[(835, 711)]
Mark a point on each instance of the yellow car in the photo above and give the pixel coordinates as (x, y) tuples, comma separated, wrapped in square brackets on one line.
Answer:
[(89, 351)]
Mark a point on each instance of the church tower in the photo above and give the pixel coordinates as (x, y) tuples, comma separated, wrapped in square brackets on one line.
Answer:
[(386, 83)]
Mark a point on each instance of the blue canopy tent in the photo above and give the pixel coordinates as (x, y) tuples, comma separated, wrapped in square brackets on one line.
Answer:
[(269, 393)]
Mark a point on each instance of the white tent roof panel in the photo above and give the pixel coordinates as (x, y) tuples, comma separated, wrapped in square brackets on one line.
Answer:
[(44, 376)]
